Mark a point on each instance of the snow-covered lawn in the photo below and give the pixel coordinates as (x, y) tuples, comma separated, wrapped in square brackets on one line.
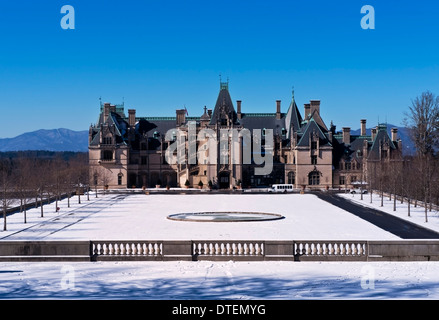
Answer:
[(219, 280), (144, 217)]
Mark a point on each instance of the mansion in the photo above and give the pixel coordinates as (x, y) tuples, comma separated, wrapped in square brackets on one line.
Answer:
[(130, 151)]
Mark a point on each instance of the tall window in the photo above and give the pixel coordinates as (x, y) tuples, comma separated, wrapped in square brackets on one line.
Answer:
[(107, 140), (314, 160), (314, 178), (313, 145), (119, 179), (342, 180), (291, 177)]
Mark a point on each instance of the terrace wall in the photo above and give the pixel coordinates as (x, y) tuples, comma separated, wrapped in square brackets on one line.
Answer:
[(224, 250)]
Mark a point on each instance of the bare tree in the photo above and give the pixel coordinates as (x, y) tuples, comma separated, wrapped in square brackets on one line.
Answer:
[(6, 188), (57, 179), (22, 177), (423, 121), (94, 177), (42, 182), (394, 179), (105, 178)]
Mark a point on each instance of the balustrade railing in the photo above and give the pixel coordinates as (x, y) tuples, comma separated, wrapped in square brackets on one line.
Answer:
[(330, 248), (127, 248), (228, 248)]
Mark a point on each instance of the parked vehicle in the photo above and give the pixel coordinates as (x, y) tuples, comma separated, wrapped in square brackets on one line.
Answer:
[(281, 188), (358, 190)]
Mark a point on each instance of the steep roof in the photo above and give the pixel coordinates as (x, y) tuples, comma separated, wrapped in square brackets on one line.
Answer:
[(263, 121), (224, 106), (382, 138), (318, 119), (293, 119), (114, 122), (313, 128)]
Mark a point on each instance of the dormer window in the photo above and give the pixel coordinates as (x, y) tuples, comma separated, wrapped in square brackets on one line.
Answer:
[(107, 140)]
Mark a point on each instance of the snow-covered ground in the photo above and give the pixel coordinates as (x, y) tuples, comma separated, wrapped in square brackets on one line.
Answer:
[(417, 215), (219, 280), (144, 217)]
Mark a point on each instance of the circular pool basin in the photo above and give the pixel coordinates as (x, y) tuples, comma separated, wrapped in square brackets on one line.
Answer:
[(225, 216)]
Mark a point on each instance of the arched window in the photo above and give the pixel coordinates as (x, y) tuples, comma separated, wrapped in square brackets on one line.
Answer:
[(314, 178)]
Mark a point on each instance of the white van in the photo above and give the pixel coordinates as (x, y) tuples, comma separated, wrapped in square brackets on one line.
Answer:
[(282, 188)]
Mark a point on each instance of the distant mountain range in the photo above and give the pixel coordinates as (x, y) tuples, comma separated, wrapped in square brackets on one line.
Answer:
[(77, 141), (48, 140)]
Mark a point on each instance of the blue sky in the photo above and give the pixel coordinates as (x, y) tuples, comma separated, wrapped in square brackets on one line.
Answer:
[(158, 56)]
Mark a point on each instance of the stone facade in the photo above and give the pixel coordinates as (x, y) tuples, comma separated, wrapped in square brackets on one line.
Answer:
[(131, 151)]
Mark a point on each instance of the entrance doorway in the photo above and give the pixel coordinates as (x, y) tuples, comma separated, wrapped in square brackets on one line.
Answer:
[(224, 180)]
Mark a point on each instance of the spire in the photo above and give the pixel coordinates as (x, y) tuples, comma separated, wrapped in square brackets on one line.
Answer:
[(224, 85), (224, 108)]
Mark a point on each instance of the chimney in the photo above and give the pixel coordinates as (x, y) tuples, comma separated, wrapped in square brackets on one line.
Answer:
[(363, 127), (106, 111), (374, 133), (346, 136), (307, 111), (394, 134), (278, 114), (238, 107), (209, 112), (181, 117), (131, 117), (315, 106)]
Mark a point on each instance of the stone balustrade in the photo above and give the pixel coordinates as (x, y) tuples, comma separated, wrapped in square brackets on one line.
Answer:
[(330, 250), (220, 250), (127, 250), (227, 249)]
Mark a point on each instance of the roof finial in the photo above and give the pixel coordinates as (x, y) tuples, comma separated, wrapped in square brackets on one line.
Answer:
[(224, 85), (293, 93)]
